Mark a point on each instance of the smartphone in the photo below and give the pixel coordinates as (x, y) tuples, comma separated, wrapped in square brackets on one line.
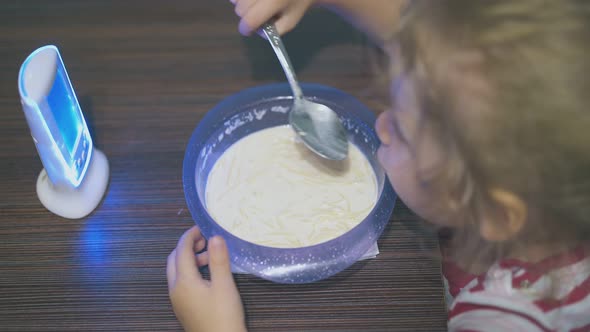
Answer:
[(55, 119)]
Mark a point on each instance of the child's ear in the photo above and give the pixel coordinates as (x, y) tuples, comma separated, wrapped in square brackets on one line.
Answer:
[(505, 219)]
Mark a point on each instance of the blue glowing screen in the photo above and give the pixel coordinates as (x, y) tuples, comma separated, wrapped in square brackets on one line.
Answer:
[(66, 113)]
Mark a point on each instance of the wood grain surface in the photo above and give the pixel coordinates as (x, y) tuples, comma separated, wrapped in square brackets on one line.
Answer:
[(145, 73)]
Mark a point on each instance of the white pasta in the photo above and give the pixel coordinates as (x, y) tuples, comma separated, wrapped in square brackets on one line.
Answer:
[(269, 189)]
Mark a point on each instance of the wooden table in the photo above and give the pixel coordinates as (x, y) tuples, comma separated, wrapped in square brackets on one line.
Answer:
[(145, 73)]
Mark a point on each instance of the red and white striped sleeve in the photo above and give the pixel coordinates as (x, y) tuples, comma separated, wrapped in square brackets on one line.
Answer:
[(512, 297), (482, 318)]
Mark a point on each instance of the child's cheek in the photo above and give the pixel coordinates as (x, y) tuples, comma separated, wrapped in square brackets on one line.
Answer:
[(395, 157), (393, 153), (402, 174), (384, 127)]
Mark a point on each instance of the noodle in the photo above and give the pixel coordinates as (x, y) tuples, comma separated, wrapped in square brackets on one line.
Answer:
[(269, 189)]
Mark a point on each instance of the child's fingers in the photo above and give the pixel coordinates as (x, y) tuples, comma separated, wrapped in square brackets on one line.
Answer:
[(203, 259), (171, 269), (185, 253), (242, 6), (219, 265), (258, 14), (289, 19), (200, 244)]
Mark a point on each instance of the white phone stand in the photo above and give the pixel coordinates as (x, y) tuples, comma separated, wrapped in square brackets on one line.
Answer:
[(75, 203), (75, 174)]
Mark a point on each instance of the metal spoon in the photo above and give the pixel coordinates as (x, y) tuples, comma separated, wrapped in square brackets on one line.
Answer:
[(317, 125)]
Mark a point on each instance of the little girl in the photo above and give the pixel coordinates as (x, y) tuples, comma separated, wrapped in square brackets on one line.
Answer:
[(488, 135)]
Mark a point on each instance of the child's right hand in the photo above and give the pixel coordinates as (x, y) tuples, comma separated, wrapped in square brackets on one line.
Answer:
[(200, 304), (254, 13)]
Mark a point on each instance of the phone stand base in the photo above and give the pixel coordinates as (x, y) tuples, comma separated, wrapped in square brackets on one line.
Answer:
[(76, 203)]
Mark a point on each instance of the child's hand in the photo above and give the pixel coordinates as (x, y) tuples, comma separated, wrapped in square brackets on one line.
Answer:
[(254, 13), (199, 304)]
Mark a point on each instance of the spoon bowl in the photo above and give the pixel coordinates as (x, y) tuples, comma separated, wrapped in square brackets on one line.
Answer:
[(318, 126)]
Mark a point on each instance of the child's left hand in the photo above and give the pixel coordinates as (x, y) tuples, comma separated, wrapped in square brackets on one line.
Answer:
[(200, 304)]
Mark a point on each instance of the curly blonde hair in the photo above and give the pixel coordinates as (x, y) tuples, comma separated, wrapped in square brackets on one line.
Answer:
[(533, 138)]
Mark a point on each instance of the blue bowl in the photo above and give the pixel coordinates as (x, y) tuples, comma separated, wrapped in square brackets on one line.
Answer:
[(267, 106)]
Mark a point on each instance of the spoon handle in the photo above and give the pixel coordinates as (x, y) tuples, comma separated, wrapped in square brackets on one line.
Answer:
[(276, 42)]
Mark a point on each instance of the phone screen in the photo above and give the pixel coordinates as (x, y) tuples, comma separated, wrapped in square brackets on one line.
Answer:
[(73, 138)]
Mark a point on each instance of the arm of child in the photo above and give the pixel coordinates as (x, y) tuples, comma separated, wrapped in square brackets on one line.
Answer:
[(377, 18), (200, 304)]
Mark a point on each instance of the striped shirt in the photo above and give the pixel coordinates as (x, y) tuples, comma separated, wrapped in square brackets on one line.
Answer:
[(512, 295)]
